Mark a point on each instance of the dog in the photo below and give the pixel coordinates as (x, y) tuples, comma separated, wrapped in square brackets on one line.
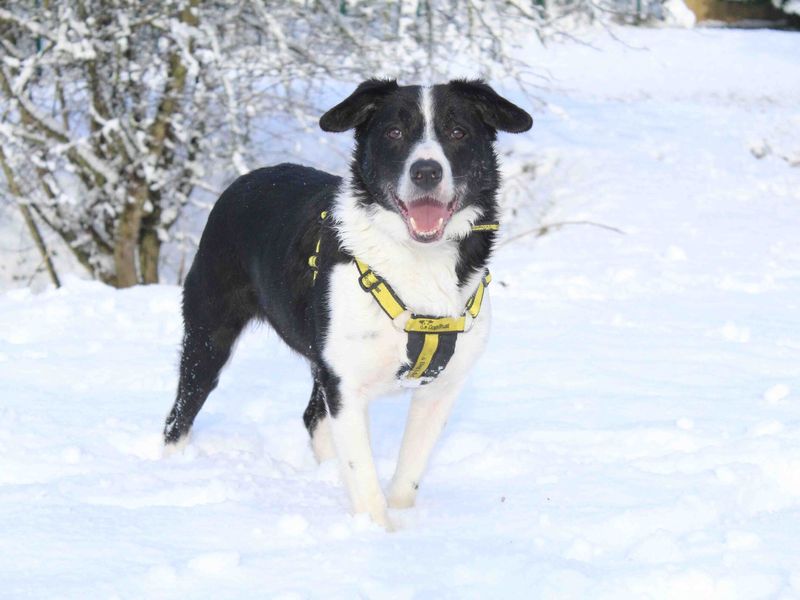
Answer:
[(378, 279)]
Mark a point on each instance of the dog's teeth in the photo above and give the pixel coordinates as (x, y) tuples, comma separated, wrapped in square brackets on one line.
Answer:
[(427, 232)]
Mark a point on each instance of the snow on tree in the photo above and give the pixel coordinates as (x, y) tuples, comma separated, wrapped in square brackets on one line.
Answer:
[(113, 111), (791, 7)]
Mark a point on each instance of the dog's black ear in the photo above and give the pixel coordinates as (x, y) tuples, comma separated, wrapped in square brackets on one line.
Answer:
[(356, 109), (496, 111)]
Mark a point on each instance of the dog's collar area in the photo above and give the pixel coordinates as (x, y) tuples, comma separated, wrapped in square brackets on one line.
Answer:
[(431, 340), (486, 227)]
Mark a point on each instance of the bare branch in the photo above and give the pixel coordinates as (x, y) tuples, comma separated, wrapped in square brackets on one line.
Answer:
[(545, 229)]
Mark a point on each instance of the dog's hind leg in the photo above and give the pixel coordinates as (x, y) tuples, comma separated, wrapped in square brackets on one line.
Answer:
[(212, 324), (318, 424)]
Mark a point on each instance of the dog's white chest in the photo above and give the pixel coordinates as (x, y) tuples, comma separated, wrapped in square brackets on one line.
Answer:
[(366, 349), (362, 344)]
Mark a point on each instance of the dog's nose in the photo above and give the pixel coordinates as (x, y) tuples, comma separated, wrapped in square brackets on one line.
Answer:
[(426, 174)]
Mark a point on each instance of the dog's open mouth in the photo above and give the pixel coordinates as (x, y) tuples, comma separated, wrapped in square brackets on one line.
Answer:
[(426, 217)]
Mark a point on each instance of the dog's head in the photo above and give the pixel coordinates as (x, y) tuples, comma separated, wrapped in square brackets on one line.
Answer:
[(425, 154)]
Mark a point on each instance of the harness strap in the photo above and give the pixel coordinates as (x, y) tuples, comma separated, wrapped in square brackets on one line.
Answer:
[(431, 340), (388, 300), (430, 343), (474, 303), (382, 292), (313, 260)]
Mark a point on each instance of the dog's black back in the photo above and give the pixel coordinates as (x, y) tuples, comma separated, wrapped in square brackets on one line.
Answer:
[(252, 262)]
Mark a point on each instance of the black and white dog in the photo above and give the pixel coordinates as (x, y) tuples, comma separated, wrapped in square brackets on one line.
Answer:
[(377, 278)]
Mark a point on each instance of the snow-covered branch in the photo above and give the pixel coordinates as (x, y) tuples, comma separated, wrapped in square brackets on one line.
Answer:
[(116, 113)]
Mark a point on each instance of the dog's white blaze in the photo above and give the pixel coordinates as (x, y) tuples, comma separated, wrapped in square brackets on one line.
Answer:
[(426, 104), (428, 148)]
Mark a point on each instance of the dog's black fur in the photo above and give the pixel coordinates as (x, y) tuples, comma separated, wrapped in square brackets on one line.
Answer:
[(252, 262)]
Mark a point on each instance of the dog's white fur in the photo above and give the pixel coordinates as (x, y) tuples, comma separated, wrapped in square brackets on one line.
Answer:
[(424, 277)]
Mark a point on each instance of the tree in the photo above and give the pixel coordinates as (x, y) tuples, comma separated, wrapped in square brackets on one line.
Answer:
[(113, 111), (99, 135)]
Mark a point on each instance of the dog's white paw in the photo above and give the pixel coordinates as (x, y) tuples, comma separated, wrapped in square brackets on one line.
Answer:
[(402, 496), (175, 447), (382, 519)]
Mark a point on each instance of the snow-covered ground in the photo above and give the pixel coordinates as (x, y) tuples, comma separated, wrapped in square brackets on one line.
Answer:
[(633, 430)]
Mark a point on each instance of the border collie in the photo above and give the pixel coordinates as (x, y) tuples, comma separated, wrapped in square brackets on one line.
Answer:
[(377, 278)]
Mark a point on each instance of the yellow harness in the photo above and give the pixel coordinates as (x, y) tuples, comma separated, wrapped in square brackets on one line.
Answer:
[(431, 340)]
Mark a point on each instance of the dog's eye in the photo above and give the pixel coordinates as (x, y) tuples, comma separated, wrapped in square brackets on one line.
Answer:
[(457, 133), (394, 133)]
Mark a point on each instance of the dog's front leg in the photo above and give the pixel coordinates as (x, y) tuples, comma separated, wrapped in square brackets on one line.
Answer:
[(427, 416), (350, 432)]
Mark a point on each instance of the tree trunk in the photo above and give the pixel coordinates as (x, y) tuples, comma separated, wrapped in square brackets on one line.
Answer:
[(127, 236), (125, 245), (149, 253)]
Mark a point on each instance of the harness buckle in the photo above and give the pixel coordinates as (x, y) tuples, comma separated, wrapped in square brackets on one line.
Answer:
[(369, 281)]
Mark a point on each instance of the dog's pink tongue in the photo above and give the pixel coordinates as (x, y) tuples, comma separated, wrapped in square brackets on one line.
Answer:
[(428, 216)]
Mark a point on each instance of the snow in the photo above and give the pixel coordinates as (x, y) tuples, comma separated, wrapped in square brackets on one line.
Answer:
[(632, 431), (678, 14)]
